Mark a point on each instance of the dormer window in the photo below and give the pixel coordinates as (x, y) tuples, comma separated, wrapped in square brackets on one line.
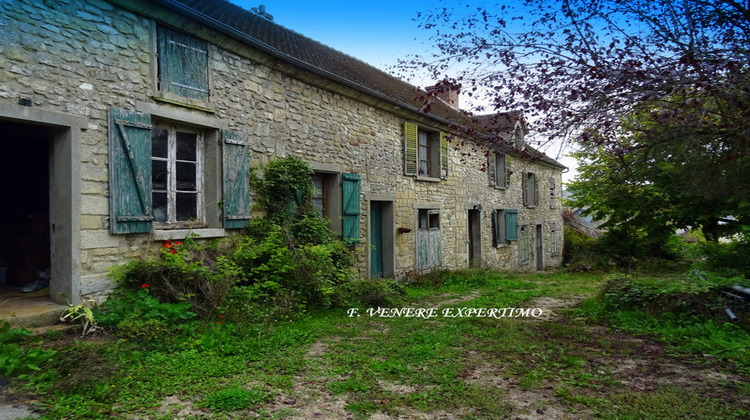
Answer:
[(182, 62)]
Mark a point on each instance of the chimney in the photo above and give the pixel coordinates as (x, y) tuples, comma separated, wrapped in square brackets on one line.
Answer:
[(447, 92), (261, 11)]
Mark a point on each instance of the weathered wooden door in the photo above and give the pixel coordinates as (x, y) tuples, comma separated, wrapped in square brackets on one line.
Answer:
[(429, 245), (475, 238), (539, 248), (376, 240)]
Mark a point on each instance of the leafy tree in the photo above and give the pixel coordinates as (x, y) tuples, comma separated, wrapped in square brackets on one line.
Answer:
[(574, 65)]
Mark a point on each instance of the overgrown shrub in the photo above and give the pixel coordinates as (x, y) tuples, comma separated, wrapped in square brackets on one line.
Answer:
[(579, 251), (697, 294)]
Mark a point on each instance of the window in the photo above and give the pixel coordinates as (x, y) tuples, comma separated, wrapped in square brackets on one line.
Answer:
[(176, 175), (553, 239), (182, 62), (320, 195), (429, 245), (552, 193), (524, 244), (504, 227), (157, 174), (530, 197), (426, 152), (498, 170)]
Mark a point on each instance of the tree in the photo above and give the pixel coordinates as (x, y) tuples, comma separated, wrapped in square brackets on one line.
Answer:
[(655, 92), (573, 65)]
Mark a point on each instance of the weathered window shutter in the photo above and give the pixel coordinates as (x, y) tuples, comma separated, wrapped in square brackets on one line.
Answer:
[(495, 230), (350, 213), (443, 156), (532, 194), (129, 172), (236, 180), (183, 64), (511, 225), (502, 170), (410, 148), (491, 168), (525, 188)]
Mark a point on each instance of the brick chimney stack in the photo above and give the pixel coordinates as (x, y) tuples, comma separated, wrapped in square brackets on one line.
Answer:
[(447, 92)]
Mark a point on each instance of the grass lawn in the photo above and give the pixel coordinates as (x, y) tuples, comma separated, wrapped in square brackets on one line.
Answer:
[(332, 365)]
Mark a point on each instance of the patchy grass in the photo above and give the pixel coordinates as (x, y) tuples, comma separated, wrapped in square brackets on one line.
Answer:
[(329, 365)]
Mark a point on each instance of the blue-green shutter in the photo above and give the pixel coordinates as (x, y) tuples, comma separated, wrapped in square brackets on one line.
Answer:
[(129, 172), (411, 136), (511, 225), (236, 180), (350, 214), (183, 64)]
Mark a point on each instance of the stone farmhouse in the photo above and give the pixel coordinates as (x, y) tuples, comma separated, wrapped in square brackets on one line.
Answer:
[(130, 122)]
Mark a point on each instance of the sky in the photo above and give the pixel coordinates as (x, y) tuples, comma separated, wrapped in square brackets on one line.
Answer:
[(376, 32)]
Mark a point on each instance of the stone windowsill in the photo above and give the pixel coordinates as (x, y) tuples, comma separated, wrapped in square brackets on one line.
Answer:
[(178, 234), (427, 178)]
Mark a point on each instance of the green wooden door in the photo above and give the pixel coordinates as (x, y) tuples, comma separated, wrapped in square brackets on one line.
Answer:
[(376, 240)]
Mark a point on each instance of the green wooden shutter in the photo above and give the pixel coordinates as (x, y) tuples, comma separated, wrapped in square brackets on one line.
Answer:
[(491, 168), (183, 64), (495, 230), (443, 156), (130, 208), (410, 148), (350, 200), (511, 225), (236, 180)]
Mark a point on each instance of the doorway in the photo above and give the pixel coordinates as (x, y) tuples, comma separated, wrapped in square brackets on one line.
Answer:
[(539, 249), (475, 238), (25, 243), (382, 253)]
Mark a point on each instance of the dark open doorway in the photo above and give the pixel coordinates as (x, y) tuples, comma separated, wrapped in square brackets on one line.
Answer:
[(25, 210)]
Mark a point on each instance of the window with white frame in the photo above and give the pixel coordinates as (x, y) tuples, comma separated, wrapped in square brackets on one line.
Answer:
[(177, 175)]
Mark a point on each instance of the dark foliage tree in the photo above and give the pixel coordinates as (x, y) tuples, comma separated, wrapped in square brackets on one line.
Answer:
[(655, 92), (573, 65)]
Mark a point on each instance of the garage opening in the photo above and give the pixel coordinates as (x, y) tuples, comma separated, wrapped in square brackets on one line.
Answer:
[(25, 211)]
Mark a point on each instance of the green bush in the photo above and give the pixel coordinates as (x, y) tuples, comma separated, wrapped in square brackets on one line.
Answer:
[(579, 251), (129, 308)]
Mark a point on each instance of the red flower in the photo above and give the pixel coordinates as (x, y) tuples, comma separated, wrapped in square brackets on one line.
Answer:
[(177, 243), (221, 316), (167, 245), (173, 251), (219, 322), (144, 285)]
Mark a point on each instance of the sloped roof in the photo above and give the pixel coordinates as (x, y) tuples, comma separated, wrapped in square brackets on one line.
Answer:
[(312, 55)]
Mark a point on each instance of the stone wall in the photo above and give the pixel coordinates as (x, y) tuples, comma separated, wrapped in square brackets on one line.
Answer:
[(82, 57)]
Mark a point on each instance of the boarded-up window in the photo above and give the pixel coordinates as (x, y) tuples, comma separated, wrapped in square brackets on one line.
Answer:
[(530, 196), (524, 244), (429, 245), (182, 64), (236, 180)]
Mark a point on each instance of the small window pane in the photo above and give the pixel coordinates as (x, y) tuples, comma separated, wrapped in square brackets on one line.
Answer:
[(160, 207), (159, 175), (317, 195), (434, 221), (186, 176), (186, 149), (159, 142), (423, 219), (187, 208)]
